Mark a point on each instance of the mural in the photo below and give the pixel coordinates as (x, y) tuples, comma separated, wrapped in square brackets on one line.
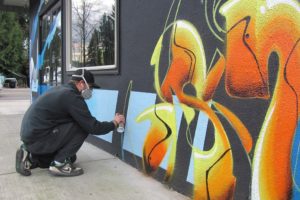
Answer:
[(33, 40), (254, 30), (190, 69), (40, 61)]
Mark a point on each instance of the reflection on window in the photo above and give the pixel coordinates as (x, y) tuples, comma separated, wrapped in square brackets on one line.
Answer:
[(50, 47), (93, 33)]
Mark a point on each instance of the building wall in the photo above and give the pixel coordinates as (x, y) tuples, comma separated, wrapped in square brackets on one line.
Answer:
[(210, 93)]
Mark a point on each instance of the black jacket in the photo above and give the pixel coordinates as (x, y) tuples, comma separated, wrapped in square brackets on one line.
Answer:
[(62, 104)]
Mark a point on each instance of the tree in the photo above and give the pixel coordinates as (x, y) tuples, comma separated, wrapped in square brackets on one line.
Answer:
[(11, 43), (23, 18), (107, 38), (101, 49), (83, 26), (94, 53)]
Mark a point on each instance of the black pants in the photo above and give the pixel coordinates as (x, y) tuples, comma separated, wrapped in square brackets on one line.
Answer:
[(63, 142)]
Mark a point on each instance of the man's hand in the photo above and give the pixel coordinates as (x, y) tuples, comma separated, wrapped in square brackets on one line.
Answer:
[(119, 119)]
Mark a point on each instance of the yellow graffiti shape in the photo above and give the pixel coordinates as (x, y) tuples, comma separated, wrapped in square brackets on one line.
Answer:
[(161, 137), (188, 65), (212, 164)]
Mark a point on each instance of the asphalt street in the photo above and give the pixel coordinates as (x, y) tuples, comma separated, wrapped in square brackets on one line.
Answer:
[(14, 94), (14, 101)]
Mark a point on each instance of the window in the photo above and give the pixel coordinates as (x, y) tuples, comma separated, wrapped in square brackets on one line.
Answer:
[(50, 51), (91, 34)]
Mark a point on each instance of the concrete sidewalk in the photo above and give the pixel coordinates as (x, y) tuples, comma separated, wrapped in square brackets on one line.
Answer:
[(105, 177)]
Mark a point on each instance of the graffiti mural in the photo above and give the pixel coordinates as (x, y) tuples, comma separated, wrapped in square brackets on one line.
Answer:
[(33, 39), (252, 32), (188, 116), (45, 49)]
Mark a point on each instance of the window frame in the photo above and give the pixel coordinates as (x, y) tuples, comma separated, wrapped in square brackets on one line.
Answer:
[(101, 69), (50, 8)]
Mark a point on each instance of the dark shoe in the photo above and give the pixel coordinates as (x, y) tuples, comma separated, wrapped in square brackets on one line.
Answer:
[(67, 169), (45, 160), (23, 163)]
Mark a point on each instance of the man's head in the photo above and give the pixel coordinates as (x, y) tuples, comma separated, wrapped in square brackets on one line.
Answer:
[(84, 81), (86, 76)]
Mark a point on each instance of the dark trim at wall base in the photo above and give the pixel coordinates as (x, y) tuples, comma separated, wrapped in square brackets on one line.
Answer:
[(175, 182)]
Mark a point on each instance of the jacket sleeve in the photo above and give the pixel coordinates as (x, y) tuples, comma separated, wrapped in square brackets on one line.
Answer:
[(79, 111)]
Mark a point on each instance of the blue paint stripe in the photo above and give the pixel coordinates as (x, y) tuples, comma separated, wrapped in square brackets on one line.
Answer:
[(198, 142), (49, 39), (102, 106), (295, 162), (179, 112), (34, 26), (135, 133)]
